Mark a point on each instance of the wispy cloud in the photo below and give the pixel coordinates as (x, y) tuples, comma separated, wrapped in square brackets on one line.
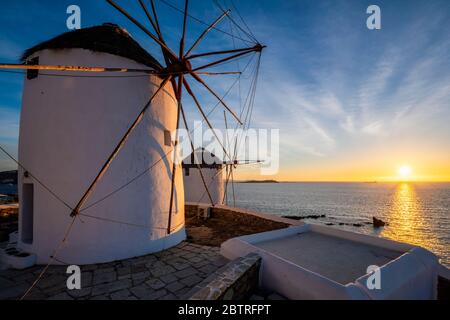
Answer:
[(9, 124), (9, 50)]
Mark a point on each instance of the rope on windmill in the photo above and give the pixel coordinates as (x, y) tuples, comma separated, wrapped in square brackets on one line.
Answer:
[(167, 3), (52, 258), (248, 34), (130, 224), (39, 181)]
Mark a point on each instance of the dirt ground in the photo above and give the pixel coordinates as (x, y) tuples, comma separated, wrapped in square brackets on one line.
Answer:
[(225, 224)]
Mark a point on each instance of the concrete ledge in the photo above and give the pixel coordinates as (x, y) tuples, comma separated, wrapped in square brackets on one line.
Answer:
[(408, 273), (234, 281)]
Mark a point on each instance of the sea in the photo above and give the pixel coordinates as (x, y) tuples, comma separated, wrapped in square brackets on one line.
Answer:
[(8, 188), (416, 212)]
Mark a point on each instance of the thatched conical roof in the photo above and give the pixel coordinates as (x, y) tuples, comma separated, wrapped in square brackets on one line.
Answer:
[(108, 38)]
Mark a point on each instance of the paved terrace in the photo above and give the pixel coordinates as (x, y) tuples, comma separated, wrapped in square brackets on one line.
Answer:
[(166, 275)]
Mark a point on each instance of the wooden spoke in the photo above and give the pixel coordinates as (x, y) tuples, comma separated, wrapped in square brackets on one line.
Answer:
[(156, 17), (73, 68), (184, 28), (256, 48), (227, 176), (206, 31), (226, 129), (155, 25), (165, 48), (200, 80), (174, 165), (117, 149), (180, 86), (231, 167), (232, 187), (199, 107), (219, 73), (174, 169), (212, 64), (195, 156), (147, 13)]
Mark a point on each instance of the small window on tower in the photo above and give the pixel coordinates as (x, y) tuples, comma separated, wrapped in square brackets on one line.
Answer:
[(186, 172), (167, 138), (31, 74)]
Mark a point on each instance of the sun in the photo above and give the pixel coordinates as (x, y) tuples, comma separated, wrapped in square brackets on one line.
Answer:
[(404, 172)]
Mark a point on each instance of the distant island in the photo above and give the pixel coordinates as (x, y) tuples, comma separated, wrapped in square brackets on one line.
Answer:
[(8, 177), (8, 186), (258, 181)]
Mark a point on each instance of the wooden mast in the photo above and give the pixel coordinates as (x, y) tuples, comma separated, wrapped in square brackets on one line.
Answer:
[(179, 95)]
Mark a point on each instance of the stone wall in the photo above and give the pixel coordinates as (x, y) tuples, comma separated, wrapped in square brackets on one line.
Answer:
[(235, 281), (443, 289)]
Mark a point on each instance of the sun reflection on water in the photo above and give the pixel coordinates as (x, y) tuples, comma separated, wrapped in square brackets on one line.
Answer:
[(406, 217)]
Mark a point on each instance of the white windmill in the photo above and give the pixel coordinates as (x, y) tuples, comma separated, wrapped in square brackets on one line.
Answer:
[(97, 178)]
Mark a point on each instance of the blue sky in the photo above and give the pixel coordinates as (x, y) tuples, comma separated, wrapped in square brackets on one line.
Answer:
[(348, 101)]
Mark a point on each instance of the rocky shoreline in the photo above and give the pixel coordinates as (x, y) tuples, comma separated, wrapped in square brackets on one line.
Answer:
[(376, 223)]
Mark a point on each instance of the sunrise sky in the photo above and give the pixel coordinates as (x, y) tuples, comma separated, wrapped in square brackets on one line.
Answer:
[(351, 104)]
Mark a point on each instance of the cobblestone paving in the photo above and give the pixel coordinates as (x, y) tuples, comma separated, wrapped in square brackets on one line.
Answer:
[(165, 275)]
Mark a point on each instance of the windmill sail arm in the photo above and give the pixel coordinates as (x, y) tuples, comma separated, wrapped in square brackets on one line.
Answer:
[(212, 64), (206, 31), (152, 21), (186, 4), (73, 68), (200, 80), (165, 48), (219, 73), (256, 48), (155, 24)]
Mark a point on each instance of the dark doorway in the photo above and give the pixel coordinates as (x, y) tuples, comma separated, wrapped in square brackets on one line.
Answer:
[(27, 212)]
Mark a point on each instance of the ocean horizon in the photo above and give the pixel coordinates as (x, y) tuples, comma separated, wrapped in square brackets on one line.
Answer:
[(416, 212)]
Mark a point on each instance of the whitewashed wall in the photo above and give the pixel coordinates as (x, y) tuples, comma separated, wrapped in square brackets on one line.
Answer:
[(195, 191), (68, 128)]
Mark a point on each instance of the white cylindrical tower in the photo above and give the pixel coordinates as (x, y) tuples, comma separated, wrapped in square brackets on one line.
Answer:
[(212, 170), (70, 125)]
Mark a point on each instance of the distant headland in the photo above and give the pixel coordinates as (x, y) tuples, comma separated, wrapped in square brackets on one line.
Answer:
[(258, 181)]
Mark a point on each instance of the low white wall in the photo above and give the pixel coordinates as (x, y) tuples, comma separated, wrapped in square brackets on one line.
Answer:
[(411, 276)]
